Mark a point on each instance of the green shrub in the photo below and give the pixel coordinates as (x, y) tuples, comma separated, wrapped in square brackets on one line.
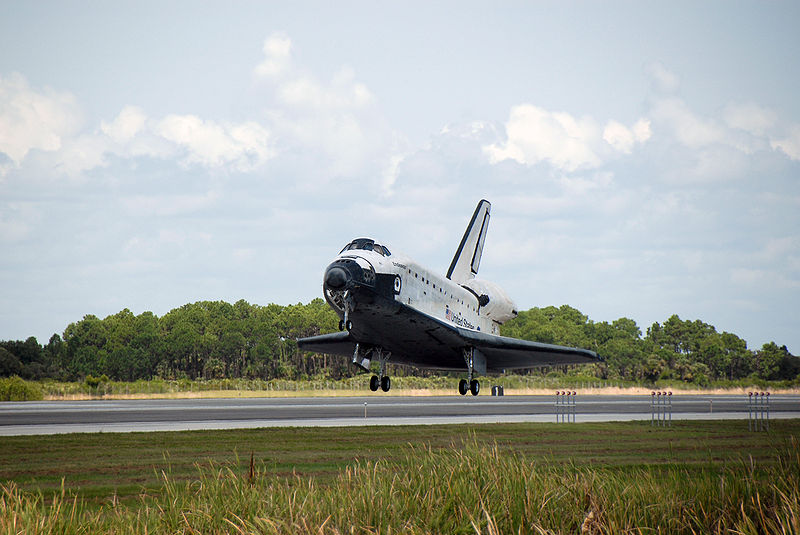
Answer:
[(16, 389), (93, 382)]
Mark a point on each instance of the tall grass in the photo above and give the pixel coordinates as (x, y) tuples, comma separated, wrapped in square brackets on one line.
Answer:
[(474, 489)]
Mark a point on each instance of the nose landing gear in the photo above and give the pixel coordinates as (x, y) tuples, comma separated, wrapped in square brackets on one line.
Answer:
[(344, 301)]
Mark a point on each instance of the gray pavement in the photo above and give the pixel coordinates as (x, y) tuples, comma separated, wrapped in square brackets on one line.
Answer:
[(52, 417)]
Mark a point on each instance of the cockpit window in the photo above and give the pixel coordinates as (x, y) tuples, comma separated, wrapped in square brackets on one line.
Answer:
[(366, 244)]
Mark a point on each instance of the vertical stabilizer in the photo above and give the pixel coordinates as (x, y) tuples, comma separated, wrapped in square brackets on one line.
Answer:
[(468, 255)]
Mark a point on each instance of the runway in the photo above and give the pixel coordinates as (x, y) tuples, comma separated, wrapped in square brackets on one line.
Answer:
[(53, 417)]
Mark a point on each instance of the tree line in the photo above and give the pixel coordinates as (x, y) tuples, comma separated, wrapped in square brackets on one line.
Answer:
[(689, 351), (215, 339)]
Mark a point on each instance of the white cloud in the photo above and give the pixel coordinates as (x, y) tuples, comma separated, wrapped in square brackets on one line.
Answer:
[(622, 138), (790, 144), (32, 119), (342, 93), (214, 145), (48, 121), (129, 123), (277, 56), (720, 147), (764, 279), (641, 130), (81, 153), (751, 118), (536, 135), (336, 122), (687, 127), (662, 78)]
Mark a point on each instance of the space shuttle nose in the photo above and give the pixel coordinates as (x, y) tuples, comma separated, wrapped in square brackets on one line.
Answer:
[(336, 278)]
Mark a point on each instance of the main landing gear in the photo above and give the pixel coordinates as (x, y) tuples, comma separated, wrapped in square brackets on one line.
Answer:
[(385, 383), (472, 386), (469, 384), (382, 381)]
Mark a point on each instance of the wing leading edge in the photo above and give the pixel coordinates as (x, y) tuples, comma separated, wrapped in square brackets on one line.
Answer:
[(501, 353), (340, 343)]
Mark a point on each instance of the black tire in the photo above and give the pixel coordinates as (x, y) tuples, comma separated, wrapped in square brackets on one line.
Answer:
[(374, 383), (341, 325), (348, 325), (474, 387), (463, 387), (386, 383)]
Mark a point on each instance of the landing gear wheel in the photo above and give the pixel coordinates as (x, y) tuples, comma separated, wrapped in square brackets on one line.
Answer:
[(463, 386), (348, 325), (386, 383), (341, 325), (474, 387), (374, 383)]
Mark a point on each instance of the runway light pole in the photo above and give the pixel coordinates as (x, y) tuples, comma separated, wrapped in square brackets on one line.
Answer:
[(668, 403), (565, 406), (758, 411), (574, 403), (652, 409), (558, 406), (660, 403)]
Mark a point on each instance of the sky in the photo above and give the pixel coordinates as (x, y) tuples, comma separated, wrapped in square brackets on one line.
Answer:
[(642, 158)]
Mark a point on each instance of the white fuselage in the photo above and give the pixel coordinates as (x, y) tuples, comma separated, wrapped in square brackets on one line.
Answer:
[(428, 292)]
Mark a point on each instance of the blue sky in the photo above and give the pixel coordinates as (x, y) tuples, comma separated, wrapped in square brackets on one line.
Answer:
[(643, 159)]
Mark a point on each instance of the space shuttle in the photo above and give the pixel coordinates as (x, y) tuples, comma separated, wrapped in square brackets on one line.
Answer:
[(393, 309)]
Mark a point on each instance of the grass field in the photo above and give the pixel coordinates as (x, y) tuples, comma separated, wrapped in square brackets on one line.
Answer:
[(697, 477)]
